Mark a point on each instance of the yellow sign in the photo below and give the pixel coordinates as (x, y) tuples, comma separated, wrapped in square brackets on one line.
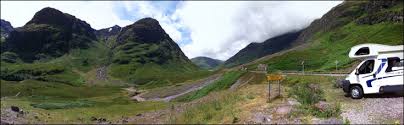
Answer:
[(274, 77)]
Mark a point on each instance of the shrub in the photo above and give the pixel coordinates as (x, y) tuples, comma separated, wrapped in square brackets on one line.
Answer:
[(308, 96)]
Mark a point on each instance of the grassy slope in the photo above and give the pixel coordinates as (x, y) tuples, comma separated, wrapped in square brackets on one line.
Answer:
[(327, 47), (225, 82)]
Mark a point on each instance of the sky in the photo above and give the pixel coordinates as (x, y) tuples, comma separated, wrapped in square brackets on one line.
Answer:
[(216, 29)]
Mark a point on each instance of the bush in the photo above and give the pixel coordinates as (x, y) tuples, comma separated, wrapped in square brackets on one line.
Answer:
[(308, 95)]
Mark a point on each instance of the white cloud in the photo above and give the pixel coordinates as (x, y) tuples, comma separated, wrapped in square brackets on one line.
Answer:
[(221, 29)]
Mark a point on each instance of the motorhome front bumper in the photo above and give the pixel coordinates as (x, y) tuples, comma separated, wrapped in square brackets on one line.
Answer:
[(345, 85)]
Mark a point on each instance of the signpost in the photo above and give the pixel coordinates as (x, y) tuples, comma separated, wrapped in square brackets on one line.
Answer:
[(273, 77)]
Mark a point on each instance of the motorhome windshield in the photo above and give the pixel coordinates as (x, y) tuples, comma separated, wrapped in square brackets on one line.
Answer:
[(366, 67)]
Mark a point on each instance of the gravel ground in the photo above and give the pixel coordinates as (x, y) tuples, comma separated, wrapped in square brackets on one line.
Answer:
[(374, 110)]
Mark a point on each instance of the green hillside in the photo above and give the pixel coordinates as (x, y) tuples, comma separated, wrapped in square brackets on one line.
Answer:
[(354, 25)]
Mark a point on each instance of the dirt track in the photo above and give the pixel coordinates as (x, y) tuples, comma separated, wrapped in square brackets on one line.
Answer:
[(169, 93)]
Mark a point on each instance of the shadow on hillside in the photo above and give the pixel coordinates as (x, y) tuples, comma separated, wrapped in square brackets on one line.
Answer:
[(385, 95)]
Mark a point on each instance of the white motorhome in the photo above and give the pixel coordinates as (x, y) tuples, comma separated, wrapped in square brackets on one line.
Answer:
[(381, 70)]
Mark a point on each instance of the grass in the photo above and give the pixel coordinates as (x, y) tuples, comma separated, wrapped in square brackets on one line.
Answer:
[(52, 89), (71, 104), (219, 109), (111, 112), (63, 105), (228, 79)]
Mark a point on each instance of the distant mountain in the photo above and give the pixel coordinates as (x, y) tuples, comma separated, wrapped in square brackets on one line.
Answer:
[(5, 28), (206, 62), (106, 33), (50, 33), (256, 50), (329, 38)]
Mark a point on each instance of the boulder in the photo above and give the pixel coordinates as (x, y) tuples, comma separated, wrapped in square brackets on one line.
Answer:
[(283, 110), (322, 105), (293, 101)]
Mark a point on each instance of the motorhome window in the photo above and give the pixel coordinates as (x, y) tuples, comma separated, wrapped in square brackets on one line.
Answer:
[(366, 67), (363, 51), (393, 62)]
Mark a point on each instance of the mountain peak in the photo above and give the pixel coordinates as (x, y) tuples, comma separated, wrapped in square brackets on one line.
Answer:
[(147, 21), (50, 15), (143, 30)]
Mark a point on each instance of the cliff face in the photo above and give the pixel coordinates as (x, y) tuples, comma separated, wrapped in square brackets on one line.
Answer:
[(5, 28)]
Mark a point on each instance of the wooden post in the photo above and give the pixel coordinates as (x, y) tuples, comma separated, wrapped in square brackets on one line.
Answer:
[(269, 91), (279, 88)]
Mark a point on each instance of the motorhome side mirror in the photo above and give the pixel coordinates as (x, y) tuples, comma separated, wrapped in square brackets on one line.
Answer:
[(356, 72)]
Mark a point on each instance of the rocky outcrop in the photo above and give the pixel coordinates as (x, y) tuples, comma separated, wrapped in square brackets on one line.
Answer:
[(378, 12), (5, 28)]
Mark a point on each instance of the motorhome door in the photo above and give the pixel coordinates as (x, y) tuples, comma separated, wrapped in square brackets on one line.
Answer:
[(364, 74)]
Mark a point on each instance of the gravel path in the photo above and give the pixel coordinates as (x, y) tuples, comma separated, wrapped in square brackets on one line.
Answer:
[(374, 110), (176, 91)]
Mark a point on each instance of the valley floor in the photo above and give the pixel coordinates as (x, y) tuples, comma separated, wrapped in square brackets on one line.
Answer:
[(244, 102)]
